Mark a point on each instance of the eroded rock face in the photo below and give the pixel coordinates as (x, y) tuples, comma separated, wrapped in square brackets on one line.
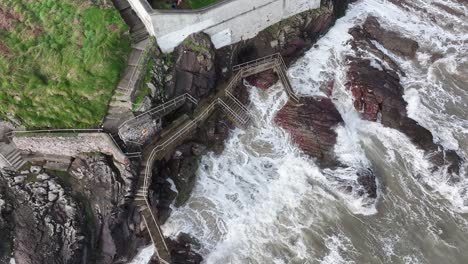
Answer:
[(195, 71), (108, 188), (378, 94), (6, 222), (311, 124)]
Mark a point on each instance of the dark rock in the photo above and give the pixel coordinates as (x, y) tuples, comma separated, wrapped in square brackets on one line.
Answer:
[(181, 250), (311, 124), (111, 220), (366, 179), (392, 41), (195, 71)]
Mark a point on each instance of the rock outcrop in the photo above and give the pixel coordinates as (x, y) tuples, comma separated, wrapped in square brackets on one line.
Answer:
[(390, 40), (311, 124), (378, 94), (116, 228), (79, 216), (194, 69)]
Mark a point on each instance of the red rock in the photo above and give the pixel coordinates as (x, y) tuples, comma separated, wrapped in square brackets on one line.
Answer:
[(311, 124), (263, 80)]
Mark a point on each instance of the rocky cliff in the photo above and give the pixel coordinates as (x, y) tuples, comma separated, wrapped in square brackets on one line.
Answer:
[(77, 216)]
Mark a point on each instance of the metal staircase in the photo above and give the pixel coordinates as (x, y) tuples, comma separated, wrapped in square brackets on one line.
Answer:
[(175, 134), (155, 113), (274, 62), (11, 156)]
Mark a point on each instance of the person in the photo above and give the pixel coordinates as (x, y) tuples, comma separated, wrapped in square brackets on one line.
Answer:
[(174, 4)]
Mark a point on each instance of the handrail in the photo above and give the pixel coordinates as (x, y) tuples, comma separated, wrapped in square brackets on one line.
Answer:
[(280, 67), (157, 109), (52, 131), (255, 62), (4, 158), (241, 120)]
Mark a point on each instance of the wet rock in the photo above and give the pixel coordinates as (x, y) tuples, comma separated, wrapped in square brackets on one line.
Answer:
[(366, 179), (392, 41), (378, 96), (263, 80), (311, 124), (198, 149), (182, 252)]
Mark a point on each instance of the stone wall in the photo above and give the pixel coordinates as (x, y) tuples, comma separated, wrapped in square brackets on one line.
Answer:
[(226, 23), (71, 146)]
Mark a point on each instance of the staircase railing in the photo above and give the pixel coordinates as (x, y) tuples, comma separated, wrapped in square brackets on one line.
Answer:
[(280, 67), (161, 109)]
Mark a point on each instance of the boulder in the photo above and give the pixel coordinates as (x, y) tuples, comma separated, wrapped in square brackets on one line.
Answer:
[(311, 124), (141, 130)]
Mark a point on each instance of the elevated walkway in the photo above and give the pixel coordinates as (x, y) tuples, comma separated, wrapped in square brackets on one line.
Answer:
[(175, 134)]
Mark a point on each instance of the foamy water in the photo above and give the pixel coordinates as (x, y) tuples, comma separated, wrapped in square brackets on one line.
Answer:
[(264, 201)]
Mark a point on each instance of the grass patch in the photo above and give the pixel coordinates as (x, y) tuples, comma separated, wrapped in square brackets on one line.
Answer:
[(195, 47), (143, 89), (59, 61)]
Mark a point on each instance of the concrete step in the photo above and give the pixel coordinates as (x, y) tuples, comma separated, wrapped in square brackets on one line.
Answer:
[(139, 34), (127, 105), (121, 98)]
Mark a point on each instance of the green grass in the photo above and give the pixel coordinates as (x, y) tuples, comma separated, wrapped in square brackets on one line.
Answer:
[(59, 62), (186, 4)]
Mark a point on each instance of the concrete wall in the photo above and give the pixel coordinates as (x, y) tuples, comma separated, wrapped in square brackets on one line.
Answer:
[(70, 145), (227, 23)]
